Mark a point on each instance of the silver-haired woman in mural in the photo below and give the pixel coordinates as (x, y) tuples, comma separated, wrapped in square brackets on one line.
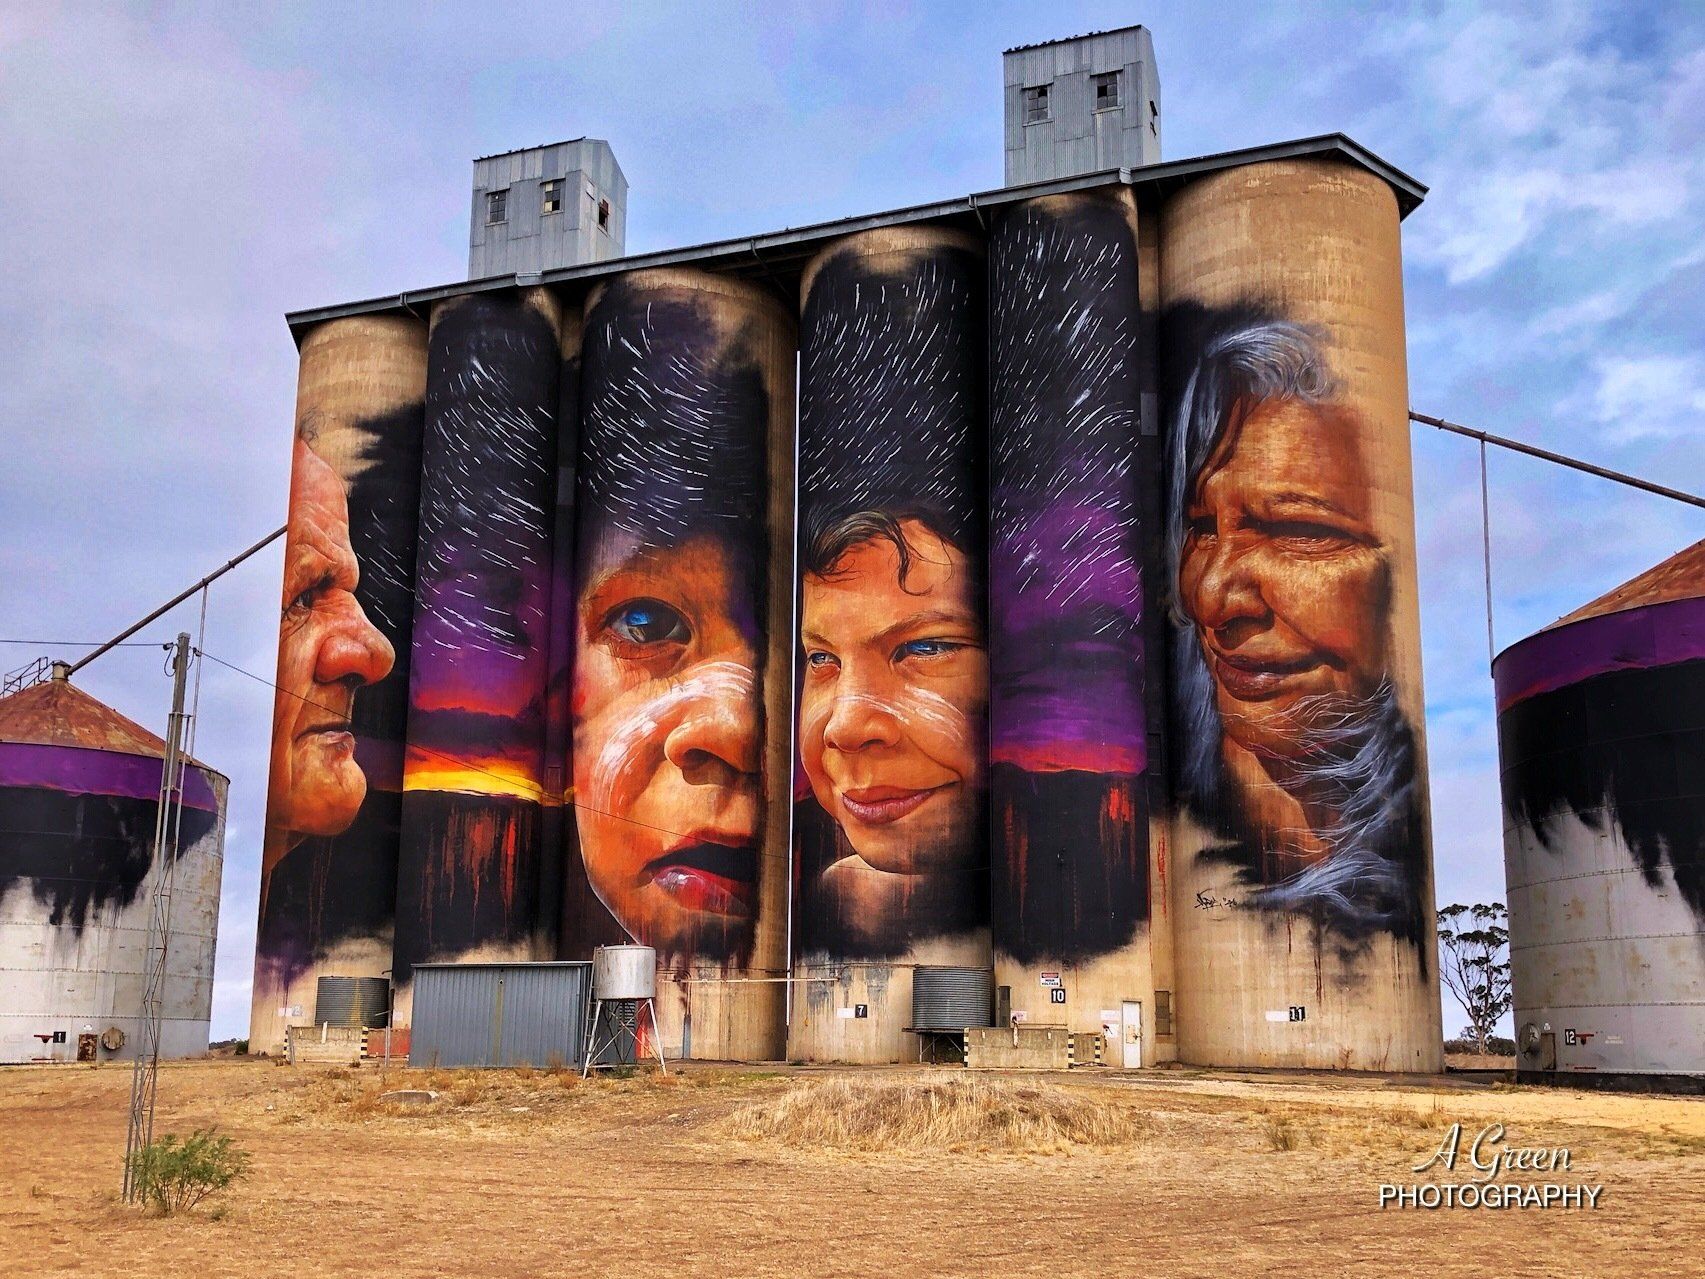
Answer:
[(1295, 752)]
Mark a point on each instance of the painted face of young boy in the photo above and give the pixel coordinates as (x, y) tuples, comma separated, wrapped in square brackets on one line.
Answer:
[(895, 697)]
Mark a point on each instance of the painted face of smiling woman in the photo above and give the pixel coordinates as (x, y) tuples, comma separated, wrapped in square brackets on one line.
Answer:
[(895, 696)]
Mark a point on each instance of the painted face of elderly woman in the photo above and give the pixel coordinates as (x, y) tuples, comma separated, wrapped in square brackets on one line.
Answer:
[(668, 718), (1282, 573)]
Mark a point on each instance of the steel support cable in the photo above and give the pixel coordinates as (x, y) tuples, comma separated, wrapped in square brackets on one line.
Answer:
[(1560, 459)]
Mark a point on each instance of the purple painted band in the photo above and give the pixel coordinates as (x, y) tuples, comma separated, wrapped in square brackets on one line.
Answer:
[(1634, 639), (80, 771)]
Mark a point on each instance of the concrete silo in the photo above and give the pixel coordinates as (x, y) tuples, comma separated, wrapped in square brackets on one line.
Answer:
[(79, 793), (1601, 739), (1302, 888)]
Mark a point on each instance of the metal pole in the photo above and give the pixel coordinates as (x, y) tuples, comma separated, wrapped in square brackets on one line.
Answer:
[(172, 603), (1486, 553), (1546, 455), (144, 1078)]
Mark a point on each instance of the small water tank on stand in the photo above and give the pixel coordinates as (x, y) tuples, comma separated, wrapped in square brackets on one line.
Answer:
[(623, 1024), (624, 972)]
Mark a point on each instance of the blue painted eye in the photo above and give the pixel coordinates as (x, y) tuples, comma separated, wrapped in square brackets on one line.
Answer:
[(926, 648), (647, 622), (818, 658)]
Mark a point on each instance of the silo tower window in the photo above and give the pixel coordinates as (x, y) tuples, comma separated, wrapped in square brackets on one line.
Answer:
[(550, 196), (1036, 105), (1106, 91), (496, 207), (603, 215)]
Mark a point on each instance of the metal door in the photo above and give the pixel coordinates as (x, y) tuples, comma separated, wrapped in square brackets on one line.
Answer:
[(1131, 1035)]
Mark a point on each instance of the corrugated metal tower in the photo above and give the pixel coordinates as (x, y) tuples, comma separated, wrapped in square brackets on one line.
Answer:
[(1084, 104), (1601, 738), (79, 789), (545, 207)]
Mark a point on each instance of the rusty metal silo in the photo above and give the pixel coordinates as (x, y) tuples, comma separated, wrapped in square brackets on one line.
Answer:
[(1601, 742), (79, 794)]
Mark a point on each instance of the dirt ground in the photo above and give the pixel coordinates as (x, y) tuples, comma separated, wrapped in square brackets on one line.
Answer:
[(533, 1173)]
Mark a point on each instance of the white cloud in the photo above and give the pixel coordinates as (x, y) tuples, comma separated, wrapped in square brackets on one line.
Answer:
[(1651, 397)]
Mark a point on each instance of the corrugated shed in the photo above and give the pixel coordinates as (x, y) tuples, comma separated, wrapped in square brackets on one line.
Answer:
[(1680, 577)]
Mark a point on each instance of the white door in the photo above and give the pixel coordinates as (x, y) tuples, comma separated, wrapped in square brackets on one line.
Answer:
[(1131, 1035)]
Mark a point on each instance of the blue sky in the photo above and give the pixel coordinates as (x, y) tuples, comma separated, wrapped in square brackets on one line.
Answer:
[(179, 176)]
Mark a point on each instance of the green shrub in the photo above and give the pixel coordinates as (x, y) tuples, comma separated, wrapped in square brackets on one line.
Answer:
[(176, 1173)]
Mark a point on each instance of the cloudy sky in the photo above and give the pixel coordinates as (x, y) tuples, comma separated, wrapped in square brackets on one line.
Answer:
[(179, 176)]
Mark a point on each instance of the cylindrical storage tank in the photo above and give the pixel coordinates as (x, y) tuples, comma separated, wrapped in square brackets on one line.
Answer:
[(79, 798), (334, 796), (682, 622), (890, 814), (1303, 901), (1601, 741), (948, 999), (474, 774), (624, 972), (1073, 504), (352, 1001)]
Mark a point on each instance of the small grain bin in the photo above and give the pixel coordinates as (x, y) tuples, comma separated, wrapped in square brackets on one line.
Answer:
[(1601, 739), (79, 795)]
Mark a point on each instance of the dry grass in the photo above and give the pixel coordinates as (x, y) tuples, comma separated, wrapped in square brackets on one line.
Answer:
[(940, 1112)]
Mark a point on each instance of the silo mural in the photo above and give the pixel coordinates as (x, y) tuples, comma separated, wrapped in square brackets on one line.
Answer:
[(1305, 903), (1091, 656), (79, 794), (1601, 734), (583, 924), (890, 818), (1070, 483), (474, 773), (679, 754), (329, 862)]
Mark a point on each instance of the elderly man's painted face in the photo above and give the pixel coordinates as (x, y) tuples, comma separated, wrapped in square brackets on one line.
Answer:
[(326, 650), (1283, 575), (891, 717), (668, 741)]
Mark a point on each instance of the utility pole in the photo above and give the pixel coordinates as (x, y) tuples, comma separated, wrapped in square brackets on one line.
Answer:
[(145, 1074)]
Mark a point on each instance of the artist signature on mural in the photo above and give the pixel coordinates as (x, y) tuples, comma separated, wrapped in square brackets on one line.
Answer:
[(1207, 901), (1494, 1172)]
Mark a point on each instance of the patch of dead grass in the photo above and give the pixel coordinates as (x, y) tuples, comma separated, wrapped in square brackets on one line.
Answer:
[(935, 1113)]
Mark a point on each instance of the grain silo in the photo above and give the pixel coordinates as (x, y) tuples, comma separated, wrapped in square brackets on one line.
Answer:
[(891, 814), (1601, 739), (1303, 888), (79, 794)]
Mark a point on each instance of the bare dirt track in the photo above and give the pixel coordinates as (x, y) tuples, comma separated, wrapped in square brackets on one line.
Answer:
[(530, 1173)]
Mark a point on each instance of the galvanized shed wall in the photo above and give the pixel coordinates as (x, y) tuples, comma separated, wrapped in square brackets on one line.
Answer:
[(499, 1014), (529, 239), (1076, 136)]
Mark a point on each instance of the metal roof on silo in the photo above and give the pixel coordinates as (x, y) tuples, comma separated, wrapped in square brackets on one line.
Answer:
[(1680, 577), (58, 713)]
